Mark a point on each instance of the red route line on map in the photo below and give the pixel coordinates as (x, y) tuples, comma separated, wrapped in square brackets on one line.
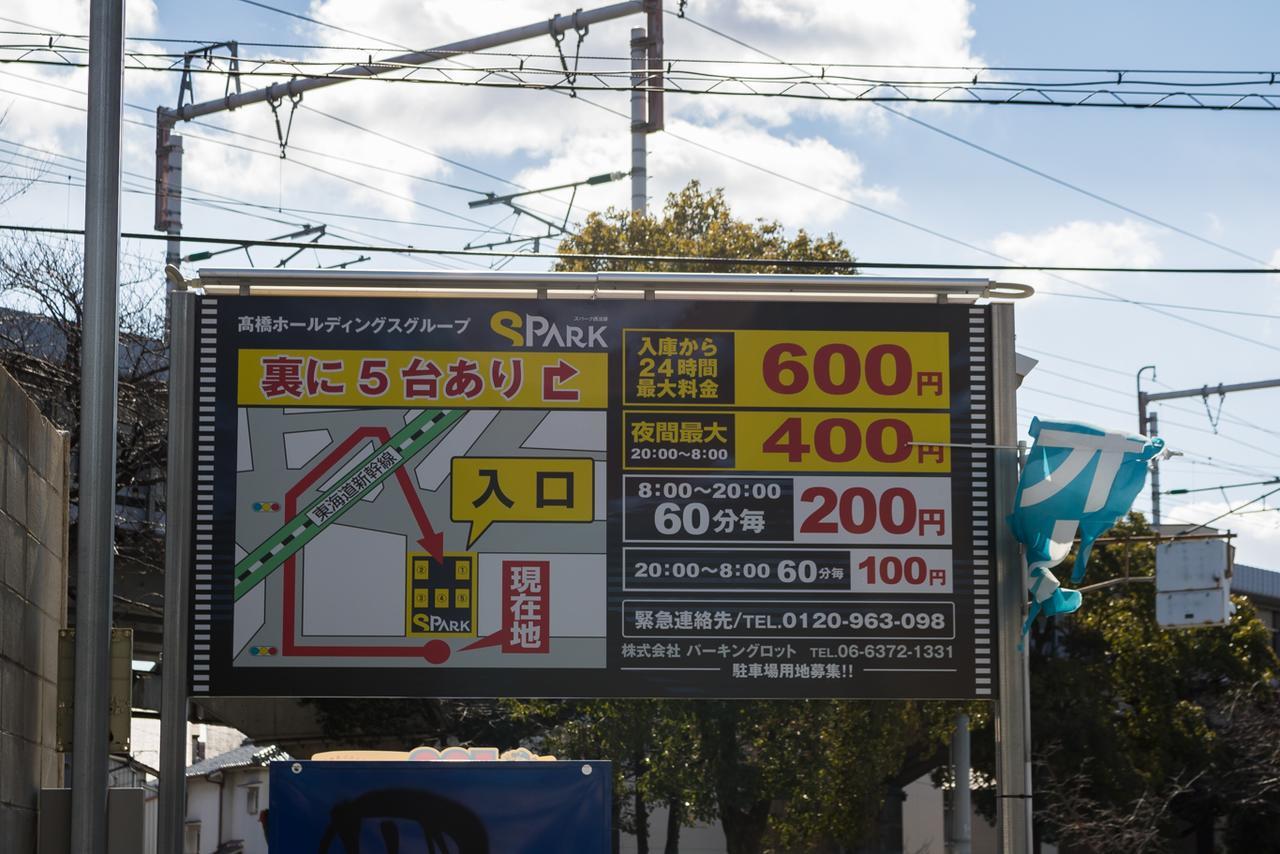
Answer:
[(289, 645)]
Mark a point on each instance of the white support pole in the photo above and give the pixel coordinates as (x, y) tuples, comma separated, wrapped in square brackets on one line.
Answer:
[(1013, 707), (98, 378), (639, 120), (961, 802)]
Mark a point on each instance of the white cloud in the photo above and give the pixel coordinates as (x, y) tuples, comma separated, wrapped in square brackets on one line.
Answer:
[(1083, 243), (38, 123), (539, 138)]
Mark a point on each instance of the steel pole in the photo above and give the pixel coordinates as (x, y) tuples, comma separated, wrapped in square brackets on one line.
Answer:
[(173, 203), (170, 161), (1154, 421), (1205, 391), (1145, 422), (98, 377), (1013, 707), (173, 672), (961, 803), (553, 26), (639, 122)]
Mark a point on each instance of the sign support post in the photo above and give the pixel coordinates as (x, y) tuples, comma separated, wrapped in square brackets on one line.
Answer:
[(173, 685), (100, 359), (1013, 706)]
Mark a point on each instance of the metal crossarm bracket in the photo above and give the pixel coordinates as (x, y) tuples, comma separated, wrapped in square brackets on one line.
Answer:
[(186, 88), (282, 136)]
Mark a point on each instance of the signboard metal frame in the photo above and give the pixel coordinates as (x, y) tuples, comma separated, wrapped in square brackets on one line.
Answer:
[(1011, 700)]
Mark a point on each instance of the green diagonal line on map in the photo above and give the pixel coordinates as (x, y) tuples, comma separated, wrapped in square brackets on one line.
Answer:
[(421, 431)]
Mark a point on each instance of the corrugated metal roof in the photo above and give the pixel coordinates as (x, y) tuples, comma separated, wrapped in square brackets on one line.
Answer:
[(1256, 582), (244, 756)]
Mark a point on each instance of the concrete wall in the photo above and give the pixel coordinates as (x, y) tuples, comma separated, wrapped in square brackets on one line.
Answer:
[(33, 605)]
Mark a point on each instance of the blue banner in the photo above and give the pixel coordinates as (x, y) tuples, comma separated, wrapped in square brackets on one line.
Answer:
[(437, 807), (1077, 477)]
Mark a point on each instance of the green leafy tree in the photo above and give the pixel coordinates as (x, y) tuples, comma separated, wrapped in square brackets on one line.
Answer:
[(697, 224)]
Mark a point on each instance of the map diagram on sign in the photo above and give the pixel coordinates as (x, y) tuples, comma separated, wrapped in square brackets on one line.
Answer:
[(419, 537)]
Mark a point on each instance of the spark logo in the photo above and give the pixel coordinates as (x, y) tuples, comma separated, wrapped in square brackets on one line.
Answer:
[(536, 332)]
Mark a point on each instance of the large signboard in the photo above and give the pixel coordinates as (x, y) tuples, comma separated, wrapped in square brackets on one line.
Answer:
[(428, 807), (482, 497)]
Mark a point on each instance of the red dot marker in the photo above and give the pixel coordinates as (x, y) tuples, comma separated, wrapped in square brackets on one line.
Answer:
[(436, 651)]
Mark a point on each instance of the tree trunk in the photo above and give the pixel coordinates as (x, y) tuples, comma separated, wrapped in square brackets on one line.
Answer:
[(617, 822), (642, 824), (675, 815), (744, 829)]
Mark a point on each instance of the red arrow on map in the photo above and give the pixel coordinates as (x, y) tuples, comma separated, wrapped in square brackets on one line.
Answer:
[(432, 541)]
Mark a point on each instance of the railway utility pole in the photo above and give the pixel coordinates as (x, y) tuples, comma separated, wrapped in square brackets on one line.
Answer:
[(646, 117), (1148, 423), (646, 114)]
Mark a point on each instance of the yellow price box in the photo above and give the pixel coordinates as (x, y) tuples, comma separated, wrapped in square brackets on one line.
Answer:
[(893, 370), (843, 441)]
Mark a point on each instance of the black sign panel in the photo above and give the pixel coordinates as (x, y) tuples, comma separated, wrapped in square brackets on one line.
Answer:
[(471, 497)]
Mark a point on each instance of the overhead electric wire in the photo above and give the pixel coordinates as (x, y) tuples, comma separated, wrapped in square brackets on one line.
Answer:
[(1004, 158), (1179, 306), (295, 161), (1230, 418), (233, 132), (372, 166), (221, 203), (851, 202), (1227, 417), (1096, 405), (1113, 74), (320, 23), (991, 253), (812, 88), (1231, 511), (868, 208)]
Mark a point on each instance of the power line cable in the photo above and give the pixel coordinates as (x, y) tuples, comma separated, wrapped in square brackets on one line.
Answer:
[(834, 266), (301, 163), (989, 252), (1004, 158), (264, 140), (1112, 74), (851, 202), (1202, 95), (889, 216), (1179, 306), (321, 23), (1096, 405), (1129, 395)]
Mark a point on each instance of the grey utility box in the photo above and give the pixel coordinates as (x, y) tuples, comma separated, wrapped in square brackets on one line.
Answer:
[(1193, 583), (125, 816)]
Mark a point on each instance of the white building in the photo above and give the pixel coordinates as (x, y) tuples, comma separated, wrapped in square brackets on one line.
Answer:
[(226, 799)]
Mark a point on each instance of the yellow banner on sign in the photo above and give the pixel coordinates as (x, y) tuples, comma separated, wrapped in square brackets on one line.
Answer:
[(521, 489), (843, 441), (893, 370), (445, 378)]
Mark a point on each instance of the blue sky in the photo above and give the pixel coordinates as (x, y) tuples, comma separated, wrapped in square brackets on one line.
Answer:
[(1211, 173)]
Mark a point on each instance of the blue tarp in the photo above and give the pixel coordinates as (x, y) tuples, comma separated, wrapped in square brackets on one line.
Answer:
[(428, 807)]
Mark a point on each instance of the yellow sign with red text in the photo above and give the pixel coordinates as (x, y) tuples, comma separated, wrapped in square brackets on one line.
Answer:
[(444, 378)]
